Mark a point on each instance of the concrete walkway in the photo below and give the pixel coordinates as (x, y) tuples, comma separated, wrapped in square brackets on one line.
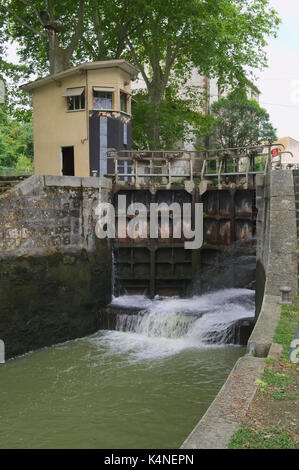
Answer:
[(224, 415)]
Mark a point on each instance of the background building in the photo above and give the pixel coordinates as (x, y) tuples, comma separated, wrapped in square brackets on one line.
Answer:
[(291, 145)]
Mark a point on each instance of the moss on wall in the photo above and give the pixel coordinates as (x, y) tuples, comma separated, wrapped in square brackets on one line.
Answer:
[(47, 300)]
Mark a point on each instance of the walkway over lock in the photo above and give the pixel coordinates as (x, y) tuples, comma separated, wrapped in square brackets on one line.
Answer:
[(161, 168)]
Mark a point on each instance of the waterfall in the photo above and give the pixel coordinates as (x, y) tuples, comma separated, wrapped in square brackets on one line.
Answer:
[(199, 320)]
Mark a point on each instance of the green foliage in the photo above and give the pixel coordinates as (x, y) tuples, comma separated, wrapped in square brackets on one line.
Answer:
[(176, 117), (287, 327), (16, 142), (241, 122), (164, 39), (269, 438), (276, 384), (24, 163), (24, 25)]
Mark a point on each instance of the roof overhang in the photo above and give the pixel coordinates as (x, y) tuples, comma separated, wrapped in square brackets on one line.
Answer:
[(125, 66)]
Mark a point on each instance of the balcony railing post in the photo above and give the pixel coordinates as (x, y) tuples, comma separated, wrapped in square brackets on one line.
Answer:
[(191, 168), (169, 175), (219, 174), (137, 176)]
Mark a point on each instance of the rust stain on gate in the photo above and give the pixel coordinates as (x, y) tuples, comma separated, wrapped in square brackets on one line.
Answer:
[(163, 266)]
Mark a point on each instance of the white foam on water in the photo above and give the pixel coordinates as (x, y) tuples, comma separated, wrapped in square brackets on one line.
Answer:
[(170, 325), (131, 301)]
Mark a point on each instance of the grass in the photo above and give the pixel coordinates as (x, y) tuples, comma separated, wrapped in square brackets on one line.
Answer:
[(286, 328), (277, 384), (269, 438), (271, 421), (10, 171)]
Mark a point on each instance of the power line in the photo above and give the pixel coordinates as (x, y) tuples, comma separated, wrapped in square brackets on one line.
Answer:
[(285, 78), (283, 105)]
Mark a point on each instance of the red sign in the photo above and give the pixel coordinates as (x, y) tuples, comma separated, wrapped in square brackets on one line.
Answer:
[(275, 152)]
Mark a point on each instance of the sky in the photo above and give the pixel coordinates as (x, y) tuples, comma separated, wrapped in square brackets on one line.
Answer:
[(279, 83)]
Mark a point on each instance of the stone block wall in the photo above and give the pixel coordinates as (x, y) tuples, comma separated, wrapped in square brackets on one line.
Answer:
[(276, 234), (46, 214), (55, 275)]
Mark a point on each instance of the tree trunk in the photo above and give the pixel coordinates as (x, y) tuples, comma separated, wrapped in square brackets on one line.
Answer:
[(156, 94), (57, 57)]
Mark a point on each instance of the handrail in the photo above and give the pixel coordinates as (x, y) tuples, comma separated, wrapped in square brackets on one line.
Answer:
[(132, 165)]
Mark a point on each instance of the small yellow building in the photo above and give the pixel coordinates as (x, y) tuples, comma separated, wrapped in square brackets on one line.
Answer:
[(290, 145), (79, 114)]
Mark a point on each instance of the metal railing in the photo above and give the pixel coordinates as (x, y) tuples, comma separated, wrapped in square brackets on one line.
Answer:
[(165, 167)]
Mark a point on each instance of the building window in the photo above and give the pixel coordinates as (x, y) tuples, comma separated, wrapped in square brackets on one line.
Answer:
[(102, 98), (123, 102), (76, 102), (75, 98)]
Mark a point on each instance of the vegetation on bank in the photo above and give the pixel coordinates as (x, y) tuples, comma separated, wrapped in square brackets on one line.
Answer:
[(16, 143), (272, 419)]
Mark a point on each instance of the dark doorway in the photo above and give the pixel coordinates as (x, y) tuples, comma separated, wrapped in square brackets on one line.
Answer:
[(68, 167)]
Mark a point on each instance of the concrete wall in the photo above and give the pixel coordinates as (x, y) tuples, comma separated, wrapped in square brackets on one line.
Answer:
[(276, 253), (55, 274), (55, 126)]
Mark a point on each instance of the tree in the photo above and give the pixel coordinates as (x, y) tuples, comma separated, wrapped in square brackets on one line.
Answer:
[(220, 37), (179, 121), (16, 142), (164, 39), (48, 31), (241, 122)]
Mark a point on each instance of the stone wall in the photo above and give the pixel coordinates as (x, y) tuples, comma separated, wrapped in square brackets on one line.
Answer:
[(55, 275), (276, 254)]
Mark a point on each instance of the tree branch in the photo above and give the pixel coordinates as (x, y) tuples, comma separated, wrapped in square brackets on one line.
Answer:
[(88, 45), (23, 22), (33, 8), (96, 23), (122, 37), (78, 31), (137, 63), (171, 55), (49, 6)]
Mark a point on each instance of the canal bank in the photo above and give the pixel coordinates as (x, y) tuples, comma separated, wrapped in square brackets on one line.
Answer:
[(272, 420), (276, 267)]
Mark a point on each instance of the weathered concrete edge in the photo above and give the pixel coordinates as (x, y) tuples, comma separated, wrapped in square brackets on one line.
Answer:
[(76, 181), (262, 335), (281, 263), (35, 182), (223, 417)]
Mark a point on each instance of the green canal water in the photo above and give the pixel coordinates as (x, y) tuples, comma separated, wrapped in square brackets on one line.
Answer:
[(145, 386)]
